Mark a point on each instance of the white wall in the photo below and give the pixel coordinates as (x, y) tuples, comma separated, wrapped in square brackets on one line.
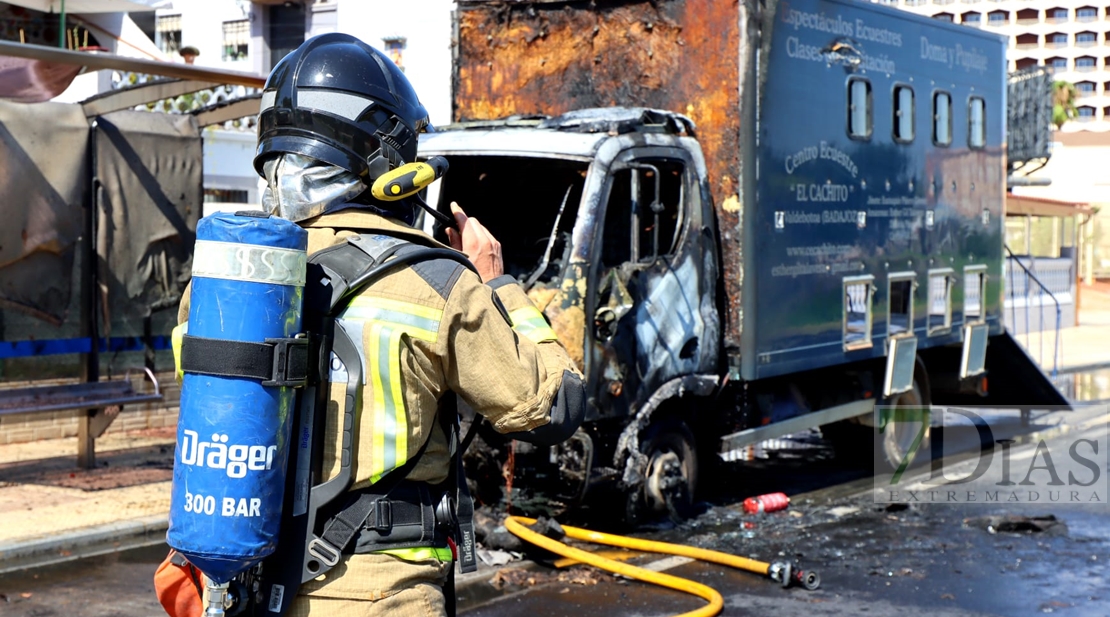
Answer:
[(202, 27), (228, 162), (426, 25), (1078, 174)]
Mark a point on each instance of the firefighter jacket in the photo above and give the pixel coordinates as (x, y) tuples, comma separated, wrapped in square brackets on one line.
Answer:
[(433, 328)]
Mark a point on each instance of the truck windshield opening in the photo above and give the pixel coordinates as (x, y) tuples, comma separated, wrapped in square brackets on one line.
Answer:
[(528, 203)]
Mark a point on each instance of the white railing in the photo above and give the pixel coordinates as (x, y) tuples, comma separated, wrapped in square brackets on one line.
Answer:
[(1038, 290), (1057, 277)]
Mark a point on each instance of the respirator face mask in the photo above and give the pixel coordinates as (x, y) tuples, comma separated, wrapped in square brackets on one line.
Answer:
[(299, 187)]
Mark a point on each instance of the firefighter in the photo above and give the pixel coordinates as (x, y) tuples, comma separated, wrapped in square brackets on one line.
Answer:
[(335, 115)]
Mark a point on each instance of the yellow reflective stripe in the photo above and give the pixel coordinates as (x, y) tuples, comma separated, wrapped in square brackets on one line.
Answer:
[(420, 554), (385, 322), (377, 454), (177, 335), (400, 426), (530, 323), (418, 321), (391, 431)]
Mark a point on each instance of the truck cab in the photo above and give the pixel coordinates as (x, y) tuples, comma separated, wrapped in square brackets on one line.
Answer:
[(605, 216)]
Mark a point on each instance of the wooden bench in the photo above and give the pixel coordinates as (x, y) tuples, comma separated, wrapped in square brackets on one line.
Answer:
[(95, 397)]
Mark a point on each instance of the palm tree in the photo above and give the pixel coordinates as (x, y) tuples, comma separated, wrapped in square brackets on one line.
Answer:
[(1064, 95)]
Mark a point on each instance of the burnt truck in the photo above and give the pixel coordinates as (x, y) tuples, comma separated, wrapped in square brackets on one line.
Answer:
[(743, 220)]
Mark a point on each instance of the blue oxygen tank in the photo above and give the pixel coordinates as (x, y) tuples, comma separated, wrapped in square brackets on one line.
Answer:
[(233, 432)]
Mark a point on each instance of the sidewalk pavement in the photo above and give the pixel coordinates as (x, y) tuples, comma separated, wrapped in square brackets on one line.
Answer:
[(51, 511), (1088, 343)]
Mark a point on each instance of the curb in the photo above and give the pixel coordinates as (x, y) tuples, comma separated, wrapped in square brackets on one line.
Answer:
[(82, 543), (473, 589)]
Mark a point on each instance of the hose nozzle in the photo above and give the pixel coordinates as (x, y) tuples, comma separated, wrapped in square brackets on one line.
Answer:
[(786, 574)]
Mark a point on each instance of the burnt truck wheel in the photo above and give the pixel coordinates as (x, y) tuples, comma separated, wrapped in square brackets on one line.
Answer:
[(852, 442), (899, 434), (670, 472)]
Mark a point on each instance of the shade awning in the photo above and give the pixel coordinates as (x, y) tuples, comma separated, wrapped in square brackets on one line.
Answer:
[(25, 80), (93, 6), (1022, 205)]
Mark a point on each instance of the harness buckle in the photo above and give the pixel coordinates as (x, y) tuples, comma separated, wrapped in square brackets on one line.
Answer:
[(291, 363), (383, 516), (325, 552)]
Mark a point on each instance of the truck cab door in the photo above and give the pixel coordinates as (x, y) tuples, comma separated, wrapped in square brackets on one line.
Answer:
[(653, 283)]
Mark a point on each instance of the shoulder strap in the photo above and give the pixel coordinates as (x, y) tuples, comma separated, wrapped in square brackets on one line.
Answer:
[(346, 269)]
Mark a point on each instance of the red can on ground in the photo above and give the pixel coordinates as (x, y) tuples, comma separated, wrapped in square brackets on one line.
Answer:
[(771, 502)]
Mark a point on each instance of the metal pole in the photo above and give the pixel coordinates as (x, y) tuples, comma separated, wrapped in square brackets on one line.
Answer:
[(86, 431), (62, 27), (96, 62)]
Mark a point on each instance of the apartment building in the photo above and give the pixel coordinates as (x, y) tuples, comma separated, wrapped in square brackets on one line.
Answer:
[(254, 35), (1070, 36)]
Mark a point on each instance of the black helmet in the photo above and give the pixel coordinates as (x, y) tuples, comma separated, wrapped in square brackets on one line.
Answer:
[(340, 101)]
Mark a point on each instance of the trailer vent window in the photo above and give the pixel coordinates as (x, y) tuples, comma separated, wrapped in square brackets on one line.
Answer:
[(975, 282), (859, 109), (976, 122), (940, 301), (900, 305), (857, 312), (942, 118), (903, 114)]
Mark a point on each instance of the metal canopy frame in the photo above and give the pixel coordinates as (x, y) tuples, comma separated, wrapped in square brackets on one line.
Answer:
[(141, 94), (233, 109)]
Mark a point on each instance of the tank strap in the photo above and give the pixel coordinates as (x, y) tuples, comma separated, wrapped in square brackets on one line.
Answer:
[(279, 362)]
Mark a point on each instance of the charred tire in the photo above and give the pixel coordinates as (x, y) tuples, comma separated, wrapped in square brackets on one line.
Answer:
[(898, 437), (670, 473)]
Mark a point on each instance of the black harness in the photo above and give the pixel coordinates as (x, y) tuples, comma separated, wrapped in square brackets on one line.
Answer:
[(321, 521)]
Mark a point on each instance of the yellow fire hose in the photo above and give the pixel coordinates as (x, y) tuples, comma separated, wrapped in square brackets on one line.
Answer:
[(780, 572)]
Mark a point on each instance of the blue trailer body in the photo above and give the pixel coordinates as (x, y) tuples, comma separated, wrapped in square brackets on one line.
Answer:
[(840, 216)]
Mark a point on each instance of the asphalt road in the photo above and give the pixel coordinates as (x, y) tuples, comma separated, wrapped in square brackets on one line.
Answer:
[(876, 558), (936, 559), (115, 585)]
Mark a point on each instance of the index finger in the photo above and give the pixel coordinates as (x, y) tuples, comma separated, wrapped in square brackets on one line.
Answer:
[(460, 216)]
